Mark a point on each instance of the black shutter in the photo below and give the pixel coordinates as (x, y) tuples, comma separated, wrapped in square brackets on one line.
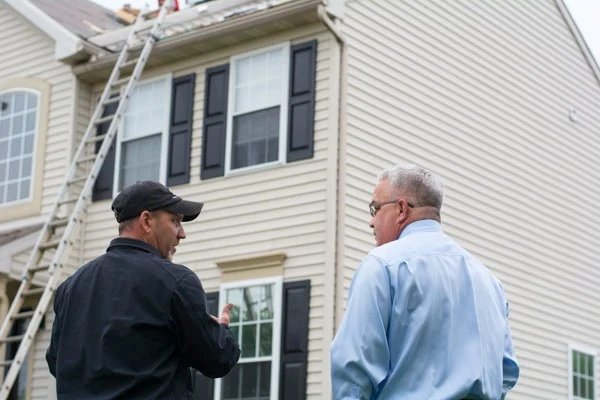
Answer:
[(103, 187), (294, 340), (214, 130), (204, 388), (301, 112), (180, 132)]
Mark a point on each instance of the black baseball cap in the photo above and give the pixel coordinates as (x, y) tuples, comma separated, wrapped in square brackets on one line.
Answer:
[(151, 196)]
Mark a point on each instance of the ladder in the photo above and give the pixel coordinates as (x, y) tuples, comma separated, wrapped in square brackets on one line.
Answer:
[(73, 197)]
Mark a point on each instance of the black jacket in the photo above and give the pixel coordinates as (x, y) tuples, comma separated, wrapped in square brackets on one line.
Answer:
[(130, 324)]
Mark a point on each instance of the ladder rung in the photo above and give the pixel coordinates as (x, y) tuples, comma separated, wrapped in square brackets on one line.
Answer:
[(121, 81), (12, 339), (59, 223), (23, 315), (67, 201), (112, 100), (129, 63), (39, 268), (86, 159), (104, 119), (50, 245), (36, 291), (95, 139), (77, 180)]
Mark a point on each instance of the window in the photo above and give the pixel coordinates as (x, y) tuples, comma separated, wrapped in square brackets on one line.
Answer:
[(258, 108), (143, 137), (264, 114), (255, 322), (582, 365), (19, 115)]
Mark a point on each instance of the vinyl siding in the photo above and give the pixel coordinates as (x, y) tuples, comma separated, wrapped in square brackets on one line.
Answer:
[(279, 209), (29, 53), (481, 92)]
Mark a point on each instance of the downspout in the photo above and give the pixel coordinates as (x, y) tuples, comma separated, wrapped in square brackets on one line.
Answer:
[(334, 266)]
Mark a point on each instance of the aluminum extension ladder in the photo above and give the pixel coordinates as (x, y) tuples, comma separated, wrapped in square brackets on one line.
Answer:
[(55, 236)]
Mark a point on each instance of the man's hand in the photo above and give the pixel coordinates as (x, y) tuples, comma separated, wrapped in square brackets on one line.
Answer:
[(224, 314)]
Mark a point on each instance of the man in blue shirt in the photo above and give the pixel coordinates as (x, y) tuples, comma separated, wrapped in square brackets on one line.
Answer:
[(425, 319)]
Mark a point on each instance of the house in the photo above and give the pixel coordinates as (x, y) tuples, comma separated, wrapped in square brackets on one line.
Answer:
[(278, 115)]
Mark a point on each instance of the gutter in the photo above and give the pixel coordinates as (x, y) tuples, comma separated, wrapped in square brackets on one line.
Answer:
[(212, 31), (334, 256)]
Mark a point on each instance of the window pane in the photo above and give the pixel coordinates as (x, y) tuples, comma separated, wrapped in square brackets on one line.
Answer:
[(12, 192), (590, 389), (3, 167), (30, 121), (14, 167), (4, 127), (590, 366), (26, 167), (145, 113), (19, 99), (575, 386), (2, 193), (235, 332), (3, 149), (582, 387), (234, 296), (28, 144), (15, 147), (7, 104), (25, 188), (582, 364), (32, 101), (140, 160), (266, 339), (248, 381), (252, 297), (255, 138), (258, 81), (266, 308), (18, 124), (248, 344)]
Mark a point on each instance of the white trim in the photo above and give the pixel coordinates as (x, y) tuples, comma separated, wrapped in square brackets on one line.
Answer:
[(283, 108), (592, 62), (277, 282), (164, 142), (34, 152), (588, 351), (67, 43)]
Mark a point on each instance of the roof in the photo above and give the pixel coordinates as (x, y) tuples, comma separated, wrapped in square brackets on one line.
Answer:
[(84, 18)]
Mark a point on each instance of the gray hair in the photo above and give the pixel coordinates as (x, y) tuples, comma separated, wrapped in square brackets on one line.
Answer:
[(423, 187)]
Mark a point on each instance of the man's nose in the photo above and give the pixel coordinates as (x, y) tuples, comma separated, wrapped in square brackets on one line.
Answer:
[(371, 222), (181, 233)]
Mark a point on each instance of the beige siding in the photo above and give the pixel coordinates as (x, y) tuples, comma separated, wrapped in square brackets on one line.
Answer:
[(29, 53), (280, 209), (481, 92)]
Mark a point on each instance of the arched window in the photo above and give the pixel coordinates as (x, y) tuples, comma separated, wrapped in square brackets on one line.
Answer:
[(19, 118)]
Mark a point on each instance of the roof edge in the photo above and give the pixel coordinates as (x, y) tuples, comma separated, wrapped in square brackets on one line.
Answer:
[(67, 43), (579, 38)]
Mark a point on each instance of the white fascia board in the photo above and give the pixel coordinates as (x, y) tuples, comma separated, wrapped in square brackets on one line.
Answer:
[(67, 43)]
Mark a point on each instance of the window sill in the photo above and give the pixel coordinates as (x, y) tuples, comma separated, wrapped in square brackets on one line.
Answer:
[(254, 168)]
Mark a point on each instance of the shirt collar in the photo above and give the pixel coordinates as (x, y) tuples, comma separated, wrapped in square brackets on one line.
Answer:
[(424, 225), (132, 243)]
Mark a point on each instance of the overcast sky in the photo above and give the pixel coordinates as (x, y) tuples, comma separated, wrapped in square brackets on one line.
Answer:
[(585, 12)]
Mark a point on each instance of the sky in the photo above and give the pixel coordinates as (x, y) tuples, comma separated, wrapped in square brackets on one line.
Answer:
[(586, 14)]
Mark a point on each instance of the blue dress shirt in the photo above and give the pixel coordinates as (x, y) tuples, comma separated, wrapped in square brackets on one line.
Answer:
[(425, 321)]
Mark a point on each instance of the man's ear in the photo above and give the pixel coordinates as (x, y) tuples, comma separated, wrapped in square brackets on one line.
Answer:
[(145, 221), (401, 211)]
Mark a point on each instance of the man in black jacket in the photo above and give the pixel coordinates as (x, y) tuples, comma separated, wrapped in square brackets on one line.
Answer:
[(130, 323)]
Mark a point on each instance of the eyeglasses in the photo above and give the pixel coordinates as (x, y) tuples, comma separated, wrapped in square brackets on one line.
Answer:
[(375, 206)]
